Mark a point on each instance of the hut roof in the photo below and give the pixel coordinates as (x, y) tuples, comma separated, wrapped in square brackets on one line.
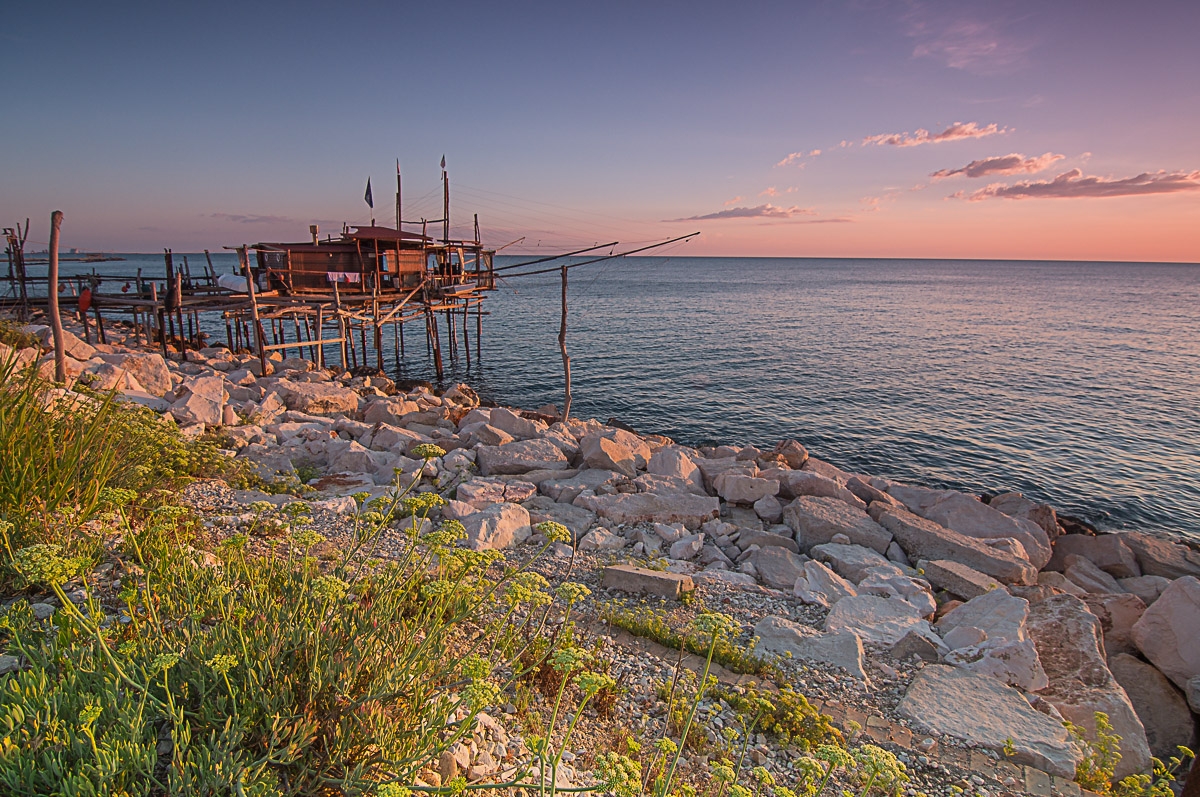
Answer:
[(383, 233)]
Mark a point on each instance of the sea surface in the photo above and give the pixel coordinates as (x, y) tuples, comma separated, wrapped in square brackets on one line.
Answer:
[(1075, 383)]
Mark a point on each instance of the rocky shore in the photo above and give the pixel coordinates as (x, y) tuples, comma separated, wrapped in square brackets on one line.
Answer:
[(958, 632)]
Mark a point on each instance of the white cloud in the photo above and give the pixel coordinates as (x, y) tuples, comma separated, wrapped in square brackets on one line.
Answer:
[(955, 132)]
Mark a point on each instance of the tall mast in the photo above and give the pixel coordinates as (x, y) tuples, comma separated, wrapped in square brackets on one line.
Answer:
[(445, 204), (397, 197)]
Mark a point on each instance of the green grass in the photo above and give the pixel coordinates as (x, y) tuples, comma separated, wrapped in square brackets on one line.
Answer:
[(59, 451)]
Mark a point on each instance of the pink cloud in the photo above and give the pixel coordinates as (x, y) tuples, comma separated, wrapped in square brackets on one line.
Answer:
[(767, 211), (772, 191), (1001, 164), (792, 159), (734, 201), (1073, 185), (955, 132)]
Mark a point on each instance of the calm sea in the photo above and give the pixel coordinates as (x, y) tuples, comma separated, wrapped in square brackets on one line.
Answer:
[(1074, 383)]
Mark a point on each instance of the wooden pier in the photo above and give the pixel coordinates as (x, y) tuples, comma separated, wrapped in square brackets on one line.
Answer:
[(338, 316)]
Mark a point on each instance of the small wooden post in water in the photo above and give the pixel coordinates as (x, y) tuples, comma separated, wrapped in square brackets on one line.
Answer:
[(60, 357), (562, 347)]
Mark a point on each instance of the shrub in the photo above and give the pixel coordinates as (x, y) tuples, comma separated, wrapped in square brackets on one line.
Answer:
[(251, 673), (59, 451)]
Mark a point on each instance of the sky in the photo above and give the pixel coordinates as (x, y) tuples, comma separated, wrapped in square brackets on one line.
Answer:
[(868, 128)]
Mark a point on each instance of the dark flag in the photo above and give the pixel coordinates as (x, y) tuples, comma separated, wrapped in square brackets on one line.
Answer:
[(443, 161), (367, 197)]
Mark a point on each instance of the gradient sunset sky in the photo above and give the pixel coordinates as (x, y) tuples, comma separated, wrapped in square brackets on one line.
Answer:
[(809, 129)]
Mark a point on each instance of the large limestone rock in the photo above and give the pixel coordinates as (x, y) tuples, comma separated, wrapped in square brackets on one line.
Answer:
[(815, 519), (889, 581), (317, 398), (782, 637), (1148, 588), (629, 578), (677, 463), (519, 427), (575, 518), (199, 400), (498, 526), (566, 490), (973, 518), (601, 539), (1005, 650), (777, 567), (797, 483), (762, 539), (600, 451), (1069, 646), (1159, 705), (481, 492), (925, 539), (611, 448), (883, 621), (1117, 615), (820, 586), (957, 579), (1018, 506), (851, 562), (73, 346), (1084, 573), (738, 488), (103, 376), (793, 453), (1106, 551), (985, 712), (1159, 557), (690, 510), (1168, 634), (390, 410), (520, 457), (149, 369)]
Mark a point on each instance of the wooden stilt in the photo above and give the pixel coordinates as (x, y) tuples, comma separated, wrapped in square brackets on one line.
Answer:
[(259, 334), (437, 345), (320, 348), (341, 319), (396, 343), (466, 338)]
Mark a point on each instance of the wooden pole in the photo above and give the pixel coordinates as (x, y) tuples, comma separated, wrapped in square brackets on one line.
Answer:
[(320, 336), (341, 319), (60, 357), (436, 342), (259, 334), (178, 301), (466, 335), (95, 286), (378, 334), (562, 347)]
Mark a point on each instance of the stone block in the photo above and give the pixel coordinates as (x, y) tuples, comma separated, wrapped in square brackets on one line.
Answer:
[(639, 580)]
